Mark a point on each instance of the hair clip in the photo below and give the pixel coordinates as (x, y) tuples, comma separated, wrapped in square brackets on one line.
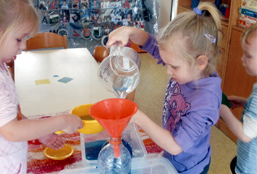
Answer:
[(211, 38), (198, 11)]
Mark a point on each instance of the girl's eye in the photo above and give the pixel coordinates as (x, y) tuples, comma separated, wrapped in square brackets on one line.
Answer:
[(174, 67), (247, 55), (19, 40)]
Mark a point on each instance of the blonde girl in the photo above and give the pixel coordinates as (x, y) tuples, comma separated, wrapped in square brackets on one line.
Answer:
[(188, 47), (18, 19)]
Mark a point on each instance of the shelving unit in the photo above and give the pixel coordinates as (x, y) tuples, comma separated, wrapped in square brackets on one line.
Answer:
[(235, 81)]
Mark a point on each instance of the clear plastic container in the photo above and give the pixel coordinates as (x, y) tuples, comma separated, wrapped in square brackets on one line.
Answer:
[(91, 144), (158, 165), (119, 72)]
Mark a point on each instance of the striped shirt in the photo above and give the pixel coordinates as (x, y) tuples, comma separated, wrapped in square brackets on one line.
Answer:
[(247, 152)]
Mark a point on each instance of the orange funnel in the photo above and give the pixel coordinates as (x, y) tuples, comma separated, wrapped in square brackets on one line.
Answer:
[(114, 115)]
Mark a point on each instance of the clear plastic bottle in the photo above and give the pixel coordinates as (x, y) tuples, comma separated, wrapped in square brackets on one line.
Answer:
[(114, 158)]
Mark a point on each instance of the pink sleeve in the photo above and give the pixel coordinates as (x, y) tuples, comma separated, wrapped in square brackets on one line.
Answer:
[(8, 98)]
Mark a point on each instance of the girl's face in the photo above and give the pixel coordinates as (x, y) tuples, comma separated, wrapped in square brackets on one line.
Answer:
[(249, 58), (13, 44), (179, 69)]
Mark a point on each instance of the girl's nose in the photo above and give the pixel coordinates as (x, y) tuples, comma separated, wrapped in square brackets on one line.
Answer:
[(23, 44), (169, 71), (242, 58)]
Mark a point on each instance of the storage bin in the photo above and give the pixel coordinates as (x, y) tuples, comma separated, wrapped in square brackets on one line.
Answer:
[(158, 165)]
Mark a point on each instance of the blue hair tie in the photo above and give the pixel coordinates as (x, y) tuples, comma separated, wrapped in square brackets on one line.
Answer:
[(198, 11)]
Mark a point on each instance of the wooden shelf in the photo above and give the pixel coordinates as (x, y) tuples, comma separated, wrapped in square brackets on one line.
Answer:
[(185, 8), (224, 23), (238, 28)]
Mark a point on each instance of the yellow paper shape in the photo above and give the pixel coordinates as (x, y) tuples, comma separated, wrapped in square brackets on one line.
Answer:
[(43, 81)]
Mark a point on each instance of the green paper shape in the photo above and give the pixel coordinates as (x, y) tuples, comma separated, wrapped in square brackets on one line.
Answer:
[(225, 101)]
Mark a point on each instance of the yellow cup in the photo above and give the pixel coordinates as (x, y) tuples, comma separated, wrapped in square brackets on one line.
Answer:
[(91, 126)]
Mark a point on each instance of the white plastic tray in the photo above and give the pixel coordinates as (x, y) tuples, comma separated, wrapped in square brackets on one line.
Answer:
[(158, 165)]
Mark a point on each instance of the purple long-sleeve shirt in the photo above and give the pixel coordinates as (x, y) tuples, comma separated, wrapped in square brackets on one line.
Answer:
[(189, 111)]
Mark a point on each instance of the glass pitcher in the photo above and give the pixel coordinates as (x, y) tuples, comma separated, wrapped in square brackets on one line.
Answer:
[(119, 72)]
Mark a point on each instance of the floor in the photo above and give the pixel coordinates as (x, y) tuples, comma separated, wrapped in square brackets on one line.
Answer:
[(149, 97)]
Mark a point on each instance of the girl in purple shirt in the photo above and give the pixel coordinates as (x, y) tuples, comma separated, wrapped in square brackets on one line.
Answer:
[(188, 47)]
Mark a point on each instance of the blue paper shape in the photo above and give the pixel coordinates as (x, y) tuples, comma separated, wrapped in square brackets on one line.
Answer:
[(65, 79)]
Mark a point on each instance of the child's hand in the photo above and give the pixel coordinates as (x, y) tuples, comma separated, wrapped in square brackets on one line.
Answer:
[(53, 141), (118, 35), (73, 123), (237, 101)]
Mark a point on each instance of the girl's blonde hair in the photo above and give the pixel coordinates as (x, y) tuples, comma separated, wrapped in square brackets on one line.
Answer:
[(17, 14), (249, 31), (199, 33)]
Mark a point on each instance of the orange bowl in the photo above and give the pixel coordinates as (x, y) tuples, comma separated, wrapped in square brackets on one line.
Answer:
[(59, 154)]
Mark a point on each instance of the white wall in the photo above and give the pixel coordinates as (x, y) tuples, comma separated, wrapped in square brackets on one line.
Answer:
[(164, 14), (165, 11)]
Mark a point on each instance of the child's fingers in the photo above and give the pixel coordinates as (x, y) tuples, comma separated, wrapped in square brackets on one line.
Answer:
[(73, 124), (56, 143), (110, 43), (53, 141)]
